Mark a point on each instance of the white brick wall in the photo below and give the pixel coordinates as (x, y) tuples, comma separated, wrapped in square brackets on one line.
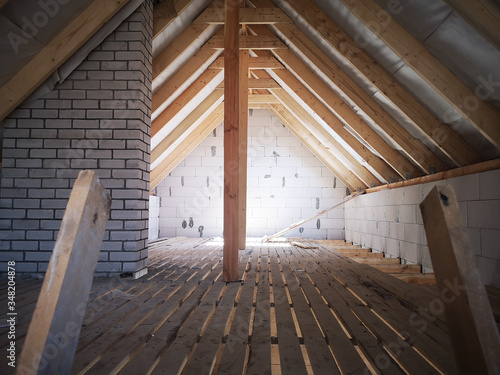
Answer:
[(286, 183), (98, 118), (399, 228)]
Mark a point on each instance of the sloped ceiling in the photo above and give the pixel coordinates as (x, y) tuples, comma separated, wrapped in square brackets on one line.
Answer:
[(380, 91)]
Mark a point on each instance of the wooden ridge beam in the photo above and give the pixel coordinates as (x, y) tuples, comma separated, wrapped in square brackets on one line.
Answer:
[(316, 147), (484, 117), (372, 71), (183, 100), (379, 165), (441, 135), (253, 42), (185, 147), (165, 12), (334, 147), (265, 62), (248, 16), (185, 124), (54, 54)]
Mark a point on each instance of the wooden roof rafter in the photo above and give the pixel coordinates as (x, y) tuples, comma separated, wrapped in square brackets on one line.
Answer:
[(301, 115), (450, 143), (484, 117), (186, 146), (316, 147), (379, 165), (55, 53), (186, 124)]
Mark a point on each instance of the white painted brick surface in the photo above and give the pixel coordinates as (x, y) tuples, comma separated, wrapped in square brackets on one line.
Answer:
[(84, 123), (391, 221), (275, 158)]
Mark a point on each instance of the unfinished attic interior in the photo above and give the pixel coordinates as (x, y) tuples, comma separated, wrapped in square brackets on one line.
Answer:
[(250, 187)]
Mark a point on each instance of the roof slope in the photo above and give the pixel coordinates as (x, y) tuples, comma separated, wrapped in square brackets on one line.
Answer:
[(376, 94)]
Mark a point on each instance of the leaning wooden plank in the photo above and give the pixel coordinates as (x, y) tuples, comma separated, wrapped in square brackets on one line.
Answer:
[(293, 226), (54, 330), (475, 339), (303, 245), (54, 54)]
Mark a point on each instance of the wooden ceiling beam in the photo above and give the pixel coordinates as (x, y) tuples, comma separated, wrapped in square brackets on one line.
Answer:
[(253, 42), (165, 12), (334, 147), (262, 99), (183, 100), (387, 86), (185, 147), (379, 165), (265, 62), (55, 53), (441, 135), (255, 84), (248, 16), (484, 117), (316, 147)]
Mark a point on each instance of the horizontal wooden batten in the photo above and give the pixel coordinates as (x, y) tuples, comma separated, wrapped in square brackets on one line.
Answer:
[(249, 16), (254, 63), (262, 99), (256, 42), (255, 84), (452, 173)]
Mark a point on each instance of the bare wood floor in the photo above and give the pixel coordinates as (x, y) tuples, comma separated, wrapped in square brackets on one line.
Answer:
[(295, 311)]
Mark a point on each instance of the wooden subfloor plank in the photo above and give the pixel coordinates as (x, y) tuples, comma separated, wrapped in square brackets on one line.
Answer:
[(159, 296), (393, 312), (176, 356), (259, 360), (291, 358), (204, 357), (346, 356), (320, 357), (234, 356)]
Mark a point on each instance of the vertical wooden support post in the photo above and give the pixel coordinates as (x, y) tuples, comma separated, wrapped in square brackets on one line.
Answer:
[(53, 333), (473, 331), (242, 234), (231, 140)]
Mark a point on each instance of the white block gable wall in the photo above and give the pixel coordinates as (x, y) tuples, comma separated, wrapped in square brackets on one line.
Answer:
[(390, 221), (286, 183)]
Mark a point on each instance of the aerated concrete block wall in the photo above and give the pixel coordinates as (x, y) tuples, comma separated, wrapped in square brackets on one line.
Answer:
[(98, 119), (286, 183), (390, 221)]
